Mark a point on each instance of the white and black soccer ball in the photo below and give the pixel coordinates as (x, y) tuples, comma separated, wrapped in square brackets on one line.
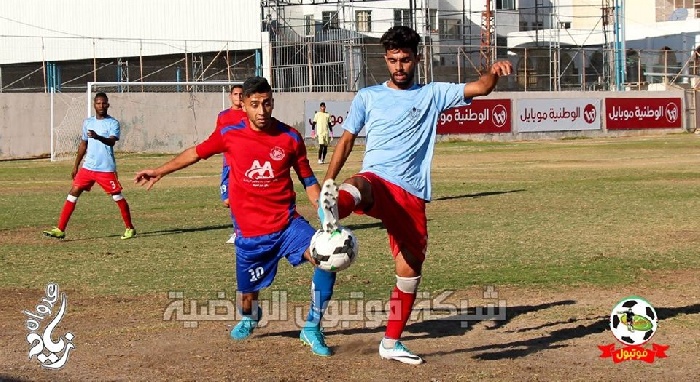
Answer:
[(334, 251), (633, 321)]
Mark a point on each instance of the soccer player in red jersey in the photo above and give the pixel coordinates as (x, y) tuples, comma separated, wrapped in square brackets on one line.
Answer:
[(262, 151), (230, 117), (100, 134)]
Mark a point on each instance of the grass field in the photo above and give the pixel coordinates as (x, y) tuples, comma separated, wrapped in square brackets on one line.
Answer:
[(560, 215), (556, 213)]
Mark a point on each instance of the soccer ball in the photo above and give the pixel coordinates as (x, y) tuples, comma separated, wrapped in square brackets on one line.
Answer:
[(334, 251), (633, 321)]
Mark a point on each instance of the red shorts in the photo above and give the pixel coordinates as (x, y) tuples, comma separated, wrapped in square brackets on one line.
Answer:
[(402, 213), (85, 179)]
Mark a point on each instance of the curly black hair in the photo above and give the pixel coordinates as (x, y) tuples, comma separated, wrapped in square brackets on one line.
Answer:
[(401, 37)]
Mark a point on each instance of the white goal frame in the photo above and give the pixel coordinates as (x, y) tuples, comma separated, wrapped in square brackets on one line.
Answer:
[(66, 128)]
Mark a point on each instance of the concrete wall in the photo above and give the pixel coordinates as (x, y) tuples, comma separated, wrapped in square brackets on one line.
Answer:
[(171, 122)]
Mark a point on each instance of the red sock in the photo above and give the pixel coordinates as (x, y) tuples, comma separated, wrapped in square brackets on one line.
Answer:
[(66, 212), (346, 204), (126, 214), (400, 306)]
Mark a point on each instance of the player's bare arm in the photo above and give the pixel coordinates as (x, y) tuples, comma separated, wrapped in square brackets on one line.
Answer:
[(82, 149), (149, 177), (313, 193), (340, 155), (487, 82), (109, 141)]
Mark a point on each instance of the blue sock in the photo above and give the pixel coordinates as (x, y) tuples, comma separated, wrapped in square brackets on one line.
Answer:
[(321, 292)]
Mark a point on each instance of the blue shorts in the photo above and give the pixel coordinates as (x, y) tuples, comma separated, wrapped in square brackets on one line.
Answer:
[(257, 257), (223, 188)]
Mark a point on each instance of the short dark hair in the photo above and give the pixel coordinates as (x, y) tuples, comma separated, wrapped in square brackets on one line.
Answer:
[(323, 104), (101, 94), (236, 86), (400, 37), (255, 85)]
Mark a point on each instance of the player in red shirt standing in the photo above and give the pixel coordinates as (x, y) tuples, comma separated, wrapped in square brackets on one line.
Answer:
[(262, 151), (229, 117)]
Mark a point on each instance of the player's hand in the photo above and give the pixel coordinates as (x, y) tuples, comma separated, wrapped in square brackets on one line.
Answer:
[(147, 178), (73, 173), (91, 134), (502, 68)]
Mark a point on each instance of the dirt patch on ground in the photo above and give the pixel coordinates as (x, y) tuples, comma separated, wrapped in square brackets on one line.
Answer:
[(547, 335)]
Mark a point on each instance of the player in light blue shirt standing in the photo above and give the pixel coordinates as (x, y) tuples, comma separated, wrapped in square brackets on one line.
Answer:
[(100, 134), (400, 118)]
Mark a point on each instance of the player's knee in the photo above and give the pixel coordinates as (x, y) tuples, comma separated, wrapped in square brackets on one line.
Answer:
[(363, 187), (408, 284), (117, 197)]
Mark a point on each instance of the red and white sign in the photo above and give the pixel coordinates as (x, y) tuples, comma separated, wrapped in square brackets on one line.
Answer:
[(643, 113), (557, 114), (483, 116)]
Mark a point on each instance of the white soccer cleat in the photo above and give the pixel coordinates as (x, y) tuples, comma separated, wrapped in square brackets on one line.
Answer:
[(399, 353), (328, 206)]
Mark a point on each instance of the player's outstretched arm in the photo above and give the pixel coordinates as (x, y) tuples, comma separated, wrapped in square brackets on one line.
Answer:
[(149, 177), (340, 154), (487, 82)]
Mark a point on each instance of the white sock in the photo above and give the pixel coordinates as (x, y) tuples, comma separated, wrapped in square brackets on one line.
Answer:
[(388, 343)]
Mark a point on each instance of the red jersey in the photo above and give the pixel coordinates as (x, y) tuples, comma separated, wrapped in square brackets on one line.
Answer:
[(229, 117), (260, 177)]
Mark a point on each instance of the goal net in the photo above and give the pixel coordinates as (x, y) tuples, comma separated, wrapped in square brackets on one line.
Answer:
[(155, 117)]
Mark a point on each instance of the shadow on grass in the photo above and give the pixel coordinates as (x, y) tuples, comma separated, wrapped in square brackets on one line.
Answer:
[(455, 326), (552, 340), (478, 194), (445, 326), (174, 231)]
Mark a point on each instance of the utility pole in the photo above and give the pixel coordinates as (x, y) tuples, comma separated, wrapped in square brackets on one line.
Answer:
[(487, 32)]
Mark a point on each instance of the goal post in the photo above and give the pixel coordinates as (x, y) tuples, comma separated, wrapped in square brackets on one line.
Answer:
[(156, 117)]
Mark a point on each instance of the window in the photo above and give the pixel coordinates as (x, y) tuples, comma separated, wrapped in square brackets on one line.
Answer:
[(432, 20), (403, 17), (451, 29), (309, 25), (363, 21), (683, 4), (330, 20), (508, 5)]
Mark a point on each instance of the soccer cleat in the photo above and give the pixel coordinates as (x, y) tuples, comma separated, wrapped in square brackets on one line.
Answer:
[(232, 239), (55, 232), (313, 336), (245, 327), (328, 206), (399, 353), (129, 233)]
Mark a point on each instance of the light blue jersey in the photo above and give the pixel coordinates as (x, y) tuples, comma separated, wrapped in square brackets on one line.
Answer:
[(401, 127), (100, 157)]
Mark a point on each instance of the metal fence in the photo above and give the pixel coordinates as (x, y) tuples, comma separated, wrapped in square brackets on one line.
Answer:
[(339, 61)]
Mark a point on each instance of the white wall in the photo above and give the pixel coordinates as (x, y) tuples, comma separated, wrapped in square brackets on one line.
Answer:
[(38, 30)]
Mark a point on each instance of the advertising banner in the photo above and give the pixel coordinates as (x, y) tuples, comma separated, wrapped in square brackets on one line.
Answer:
[(643, 113), (557, 114), (482, 116)]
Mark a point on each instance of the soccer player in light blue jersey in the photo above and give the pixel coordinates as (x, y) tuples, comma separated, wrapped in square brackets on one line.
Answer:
[(393, 186), (100, 134)]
